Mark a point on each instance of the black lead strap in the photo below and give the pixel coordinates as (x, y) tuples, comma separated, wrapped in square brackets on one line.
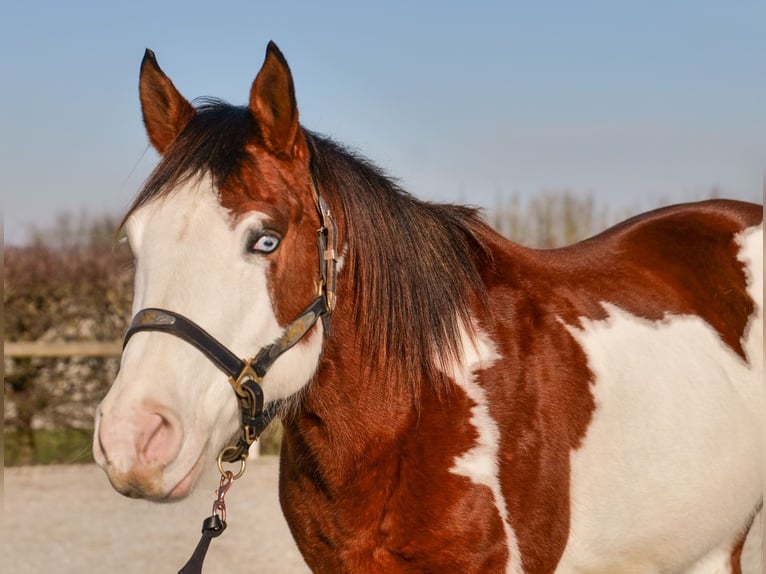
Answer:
[(211, 528)]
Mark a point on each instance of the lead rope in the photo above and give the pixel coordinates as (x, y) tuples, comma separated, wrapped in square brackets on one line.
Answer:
[(214, 525)]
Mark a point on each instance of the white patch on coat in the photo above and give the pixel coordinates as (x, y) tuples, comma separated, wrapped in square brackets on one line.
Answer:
[(671, 466), (480, 463), (751, 254)]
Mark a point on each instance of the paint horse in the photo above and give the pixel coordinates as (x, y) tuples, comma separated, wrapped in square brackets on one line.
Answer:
[(465, 404)]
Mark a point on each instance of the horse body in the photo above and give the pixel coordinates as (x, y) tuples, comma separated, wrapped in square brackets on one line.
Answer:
[(621, 440), (477, 406)]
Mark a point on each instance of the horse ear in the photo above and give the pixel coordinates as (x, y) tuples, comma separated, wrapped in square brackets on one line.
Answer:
[(165, 110), (272, 103)]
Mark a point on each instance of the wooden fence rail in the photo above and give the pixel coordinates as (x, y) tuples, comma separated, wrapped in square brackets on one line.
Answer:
[(86, 349)]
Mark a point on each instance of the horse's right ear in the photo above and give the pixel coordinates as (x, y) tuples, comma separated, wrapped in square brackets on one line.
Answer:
[(165, 110)]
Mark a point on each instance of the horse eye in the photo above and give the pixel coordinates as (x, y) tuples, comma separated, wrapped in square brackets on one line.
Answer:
[(265, 244)]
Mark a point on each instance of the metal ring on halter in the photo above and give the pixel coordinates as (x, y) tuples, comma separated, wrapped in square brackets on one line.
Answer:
[(242, 463)]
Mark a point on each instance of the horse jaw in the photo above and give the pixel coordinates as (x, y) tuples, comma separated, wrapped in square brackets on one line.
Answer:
[(170, 411)]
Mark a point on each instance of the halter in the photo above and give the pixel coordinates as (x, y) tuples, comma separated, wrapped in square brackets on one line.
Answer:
[(246, 375)]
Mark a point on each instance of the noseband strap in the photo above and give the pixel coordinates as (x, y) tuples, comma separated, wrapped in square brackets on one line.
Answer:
[(164, 321), (246, 376)]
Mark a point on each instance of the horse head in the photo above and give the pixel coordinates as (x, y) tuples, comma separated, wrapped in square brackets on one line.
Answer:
[(224, 234)]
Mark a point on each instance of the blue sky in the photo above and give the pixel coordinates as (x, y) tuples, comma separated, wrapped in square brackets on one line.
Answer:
[(632, 102)]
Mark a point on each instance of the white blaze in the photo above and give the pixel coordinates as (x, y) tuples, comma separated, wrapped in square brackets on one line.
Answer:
[(191, 258), (480, 463)]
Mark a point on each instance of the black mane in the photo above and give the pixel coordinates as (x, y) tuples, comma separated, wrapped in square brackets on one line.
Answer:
[(415, 265)]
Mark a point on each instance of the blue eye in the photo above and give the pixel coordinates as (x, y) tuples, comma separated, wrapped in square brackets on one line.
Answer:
[(265, 244)]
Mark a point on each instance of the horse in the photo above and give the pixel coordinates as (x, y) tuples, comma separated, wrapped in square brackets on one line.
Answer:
[(451, 401)]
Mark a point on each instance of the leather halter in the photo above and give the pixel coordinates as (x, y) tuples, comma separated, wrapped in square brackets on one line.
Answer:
[(246, 375)]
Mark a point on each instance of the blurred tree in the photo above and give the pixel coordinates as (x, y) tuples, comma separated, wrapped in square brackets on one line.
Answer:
[(72, 284), (562, 217), (552, 219), (70, 231)]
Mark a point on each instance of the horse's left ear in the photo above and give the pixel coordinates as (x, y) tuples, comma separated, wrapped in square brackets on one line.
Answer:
[(272, 103)]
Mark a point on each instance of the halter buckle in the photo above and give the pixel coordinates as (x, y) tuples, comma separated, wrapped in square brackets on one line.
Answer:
[(247, 372), (247, 387), (249, 434)]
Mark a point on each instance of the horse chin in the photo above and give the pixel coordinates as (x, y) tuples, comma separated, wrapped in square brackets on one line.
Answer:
[(188, 482), (153, 488)]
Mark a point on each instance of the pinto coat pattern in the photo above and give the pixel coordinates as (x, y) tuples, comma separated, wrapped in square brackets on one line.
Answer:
[(478, 406)]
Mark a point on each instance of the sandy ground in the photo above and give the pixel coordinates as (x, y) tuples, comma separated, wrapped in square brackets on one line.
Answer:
[(67, 519)]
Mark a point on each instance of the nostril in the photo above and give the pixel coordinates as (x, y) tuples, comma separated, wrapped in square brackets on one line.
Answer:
[(138, 441), (158, 444), (99, 450)]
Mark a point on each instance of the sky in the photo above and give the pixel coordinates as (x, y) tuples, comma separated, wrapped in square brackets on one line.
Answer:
[(633, 103)]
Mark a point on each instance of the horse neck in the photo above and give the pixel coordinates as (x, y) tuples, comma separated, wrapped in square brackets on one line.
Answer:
[(376, 375), (351, 410), (354, 406)]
